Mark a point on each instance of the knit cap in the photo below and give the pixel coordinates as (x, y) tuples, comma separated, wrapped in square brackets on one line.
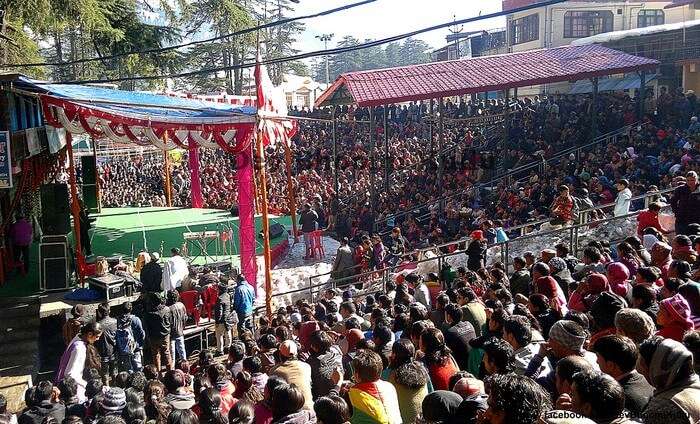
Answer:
[(113, 400), (571, 341), (679, 310)]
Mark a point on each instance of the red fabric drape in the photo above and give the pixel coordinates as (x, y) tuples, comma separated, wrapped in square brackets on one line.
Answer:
[(195, 185)]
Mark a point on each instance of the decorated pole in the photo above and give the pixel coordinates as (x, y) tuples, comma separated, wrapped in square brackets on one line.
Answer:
[(75, 208), (291, 193), (260, 162), (166, 172), (195, 183)]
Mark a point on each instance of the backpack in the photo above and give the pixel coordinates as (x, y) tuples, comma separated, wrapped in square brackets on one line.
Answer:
[(124, 339)]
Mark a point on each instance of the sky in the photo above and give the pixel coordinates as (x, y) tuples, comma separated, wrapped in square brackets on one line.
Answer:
[(386, 18)]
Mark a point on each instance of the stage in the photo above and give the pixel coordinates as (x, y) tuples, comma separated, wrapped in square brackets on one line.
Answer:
[(127, 231)]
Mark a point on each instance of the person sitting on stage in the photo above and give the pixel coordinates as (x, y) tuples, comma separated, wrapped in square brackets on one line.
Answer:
[(152, 275), (174, 271)]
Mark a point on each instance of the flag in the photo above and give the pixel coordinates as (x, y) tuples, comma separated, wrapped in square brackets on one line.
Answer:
[(272, 109)]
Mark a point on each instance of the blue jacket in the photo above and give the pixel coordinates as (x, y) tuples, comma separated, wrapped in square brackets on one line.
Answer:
[(243, 298)]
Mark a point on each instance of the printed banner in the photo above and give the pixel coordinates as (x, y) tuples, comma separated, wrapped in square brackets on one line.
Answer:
[(5, 160), (56, 138)]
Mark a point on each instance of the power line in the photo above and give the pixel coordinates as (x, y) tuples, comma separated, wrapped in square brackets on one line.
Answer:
[(191, 43), (318, 53)]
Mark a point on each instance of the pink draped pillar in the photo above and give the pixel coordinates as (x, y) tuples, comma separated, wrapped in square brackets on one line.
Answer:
[(195, 184), (246, 217)]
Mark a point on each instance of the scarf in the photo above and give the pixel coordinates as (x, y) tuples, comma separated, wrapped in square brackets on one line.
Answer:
[(668, 358)]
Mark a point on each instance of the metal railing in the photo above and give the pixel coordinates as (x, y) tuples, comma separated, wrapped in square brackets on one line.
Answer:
[(540, 166)]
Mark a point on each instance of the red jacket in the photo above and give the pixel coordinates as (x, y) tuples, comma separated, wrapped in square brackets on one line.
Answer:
[(647, 219)]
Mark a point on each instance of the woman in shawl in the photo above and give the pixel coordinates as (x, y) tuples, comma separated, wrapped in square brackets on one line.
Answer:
[(548, 286), (629, 257), (668, 366), (287, 403), (437, 358), (618, 276), (79, 356), (587, 292)]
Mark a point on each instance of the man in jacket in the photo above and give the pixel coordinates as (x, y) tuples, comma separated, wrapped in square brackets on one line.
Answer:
[(344, 263), (152, 275), (243, 299), (520, 280), (685, 203), (132, 324), (325, 358), (106, 344), (224, 318), (178, 319), (458, 335), (157, 325), (309, 224), (617, 357), (295, 371), (44, 404)]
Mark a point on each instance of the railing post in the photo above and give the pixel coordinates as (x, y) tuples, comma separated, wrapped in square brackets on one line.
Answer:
[(571, 239)]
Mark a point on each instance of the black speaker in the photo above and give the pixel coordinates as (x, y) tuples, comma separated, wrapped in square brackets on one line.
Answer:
[(276, 230), (234, 210), (89, 173), (89, 169), (55, 205), (53, 263)]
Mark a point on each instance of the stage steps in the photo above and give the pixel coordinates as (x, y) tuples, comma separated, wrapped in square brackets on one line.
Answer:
[(19, 337)]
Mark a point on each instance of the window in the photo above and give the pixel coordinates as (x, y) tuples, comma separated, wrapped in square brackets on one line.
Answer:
[(525, 29), (586, 23), (650, 17)]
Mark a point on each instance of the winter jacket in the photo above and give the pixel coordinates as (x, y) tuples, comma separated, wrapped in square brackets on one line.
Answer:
[(151, 277), (36, 414), (243, 298), (105, 345), (223, 311), (157, 323), (303, 416), (178, 319), (520, 283), (457, 339), (322, 367), (686, 205), (136, 326)]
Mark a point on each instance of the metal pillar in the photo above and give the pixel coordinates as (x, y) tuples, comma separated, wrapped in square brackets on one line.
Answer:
[(642, 94), (506, 130), (441, 141), (594, 109), (430, 127), (335, 154), (372, 177), (386, 149)]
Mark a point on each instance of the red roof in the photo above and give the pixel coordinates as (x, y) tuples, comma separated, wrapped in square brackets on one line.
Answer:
[(480, 74)]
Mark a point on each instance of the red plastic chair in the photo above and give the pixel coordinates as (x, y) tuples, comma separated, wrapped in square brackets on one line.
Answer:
[(209, 297), (190, 299), (317, 244)]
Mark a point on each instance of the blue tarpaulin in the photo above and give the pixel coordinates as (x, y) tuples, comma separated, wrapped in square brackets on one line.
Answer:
[(141, 105), (628, 82)]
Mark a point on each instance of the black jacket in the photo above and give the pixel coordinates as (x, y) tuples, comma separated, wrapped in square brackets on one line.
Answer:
[(520, 283), (36, 414), (224, 312), (105, 345), (637, 392), (157, 323), (151, 277), (322, 367), (476, 255), (457, 338), (686, 205), (178, 319)]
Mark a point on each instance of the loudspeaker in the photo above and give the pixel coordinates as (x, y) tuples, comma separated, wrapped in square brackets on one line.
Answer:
[(89, 174), (234, 210), (53, 263), (89, 169), (276, 230), (55, 213)]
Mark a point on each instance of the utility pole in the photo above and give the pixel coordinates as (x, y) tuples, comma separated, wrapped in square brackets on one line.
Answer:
[(326, 38)]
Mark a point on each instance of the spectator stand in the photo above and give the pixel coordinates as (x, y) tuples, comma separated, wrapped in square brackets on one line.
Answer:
[(374, 281), (476, 75)]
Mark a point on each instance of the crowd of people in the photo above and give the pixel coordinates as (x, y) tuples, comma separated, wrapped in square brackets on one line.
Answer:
[(611, 337)]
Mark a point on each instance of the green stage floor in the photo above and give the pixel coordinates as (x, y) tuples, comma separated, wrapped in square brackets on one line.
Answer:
[(121, 231)]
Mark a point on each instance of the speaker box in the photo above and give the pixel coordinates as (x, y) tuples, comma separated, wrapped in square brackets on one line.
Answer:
[(234, 210), (276, 230), (54, 263), (89, 174), (55, 205)]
